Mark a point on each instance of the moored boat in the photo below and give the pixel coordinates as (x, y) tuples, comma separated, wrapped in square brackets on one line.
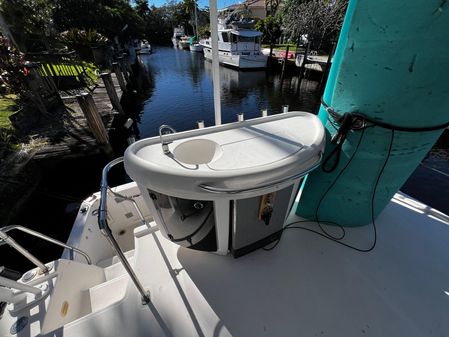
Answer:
[(145, 48), (238, 43), (184, 42), (178, 32), (196, 47)]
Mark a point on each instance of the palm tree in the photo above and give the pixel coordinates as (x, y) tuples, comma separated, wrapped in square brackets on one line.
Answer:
[(191, 6)]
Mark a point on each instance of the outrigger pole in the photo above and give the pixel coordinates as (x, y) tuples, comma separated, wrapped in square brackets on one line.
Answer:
[(215, 62)]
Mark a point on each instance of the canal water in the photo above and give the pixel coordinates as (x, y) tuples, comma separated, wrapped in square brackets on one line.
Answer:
[(183, 92), (179, 92)]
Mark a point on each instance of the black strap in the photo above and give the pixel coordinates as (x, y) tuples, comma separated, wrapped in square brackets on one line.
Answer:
[(346, 122), (357, 121), (361, 121)]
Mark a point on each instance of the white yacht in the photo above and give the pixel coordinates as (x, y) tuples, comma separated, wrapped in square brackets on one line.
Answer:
[(184, 42), (178, 33), (196, 47), (238, 45), (145, 48)]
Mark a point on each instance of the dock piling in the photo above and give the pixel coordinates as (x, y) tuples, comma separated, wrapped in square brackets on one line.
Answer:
[(110, 89), (327, 69), (118, 72), (94, 120), (121, 62), (304, 62), (126, 64), (284, 63)]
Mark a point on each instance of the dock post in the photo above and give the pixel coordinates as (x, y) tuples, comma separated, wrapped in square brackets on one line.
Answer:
[(126, 64), (110, 89), (121, 62), (118, 72), (325, 74), (285, 62), (94, 121), (304, 62)]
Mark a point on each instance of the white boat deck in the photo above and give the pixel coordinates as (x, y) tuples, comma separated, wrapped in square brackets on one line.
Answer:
[(306, 286)]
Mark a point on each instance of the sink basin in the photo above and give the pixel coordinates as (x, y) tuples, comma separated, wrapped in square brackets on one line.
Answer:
[(197, 151), (233, 161)]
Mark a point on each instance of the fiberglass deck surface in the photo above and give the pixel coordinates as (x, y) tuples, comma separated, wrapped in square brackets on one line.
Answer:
[(308, 286)]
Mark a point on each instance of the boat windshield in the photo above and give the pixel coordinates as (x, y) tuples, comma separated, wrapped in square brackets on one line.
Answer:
[(225, 37), (239, 38)]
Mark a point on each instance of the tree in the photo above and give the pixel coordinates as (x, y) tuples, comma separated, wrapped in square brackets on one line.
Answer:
[(189, 7), (142, 9), (272, 6), (321, 20), (271, 29), (108, 17), (30, 22)]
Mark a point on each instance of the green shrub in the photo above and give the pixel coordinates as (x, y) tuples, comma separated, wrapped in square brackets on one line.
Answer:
[(82, 40)]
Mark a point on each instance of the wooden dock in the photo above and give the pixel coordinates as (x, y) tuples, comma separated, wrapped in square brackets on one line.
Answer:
[(71, 136)]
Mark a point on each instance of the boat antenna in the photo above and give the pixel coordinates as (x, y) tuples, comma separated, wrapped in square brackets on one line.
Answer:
[(196, 23), (215, 67)]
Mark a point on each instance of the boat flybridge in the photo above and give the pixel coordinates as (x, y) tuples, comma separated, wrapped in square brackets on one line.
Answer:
[(178, 34), (202, 242), (238, 43)]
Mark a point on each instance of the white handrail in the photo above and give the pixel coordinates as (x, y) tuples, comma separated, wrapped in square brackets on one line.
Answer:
[(8, 240), (12, 243), (106, 231), (6, 282)]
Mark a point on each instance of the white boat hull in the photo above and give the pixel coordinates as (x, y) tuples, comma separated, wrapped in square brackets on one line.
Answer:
[(183, 44), (196, 48), (239, 61), (144, 51)]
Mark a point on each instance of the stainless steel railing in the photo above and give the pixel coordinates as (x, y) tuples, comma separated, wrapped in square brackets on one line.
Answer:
[(6, 239), (106, 231)]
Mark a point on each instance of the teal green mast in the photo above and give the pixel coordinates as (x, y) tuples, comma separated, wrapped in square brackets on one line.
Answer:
[(392, 65)]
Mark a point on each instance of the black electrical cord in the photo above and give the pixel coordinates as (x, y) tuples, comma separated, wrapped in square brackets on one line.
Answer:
[(339, 138), (326, 235), (331, 186), (346, 122)]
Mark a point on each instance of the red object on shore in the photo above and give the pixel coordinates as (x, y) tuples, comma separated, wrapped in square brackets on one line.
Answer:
[(290, 55)]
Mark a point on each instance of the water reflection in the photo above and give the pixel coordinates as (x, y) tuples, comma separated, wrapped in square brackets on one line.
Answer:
[(143, 79), (183, 92), (236, 85), (196, 65)]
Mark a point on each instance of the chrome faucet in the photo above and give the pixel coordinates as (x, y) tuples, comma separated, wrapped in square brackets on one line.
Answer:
[(164, 144)]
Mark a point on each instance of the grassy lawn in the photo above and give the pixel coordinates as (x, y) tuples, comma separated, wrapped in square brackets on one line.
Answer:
[(7, 104), (8, 141), (292, 47)]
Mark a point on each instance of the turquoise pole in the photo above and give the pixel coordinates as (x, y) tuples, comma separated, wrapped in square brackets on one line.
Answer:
[(391, 64)]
